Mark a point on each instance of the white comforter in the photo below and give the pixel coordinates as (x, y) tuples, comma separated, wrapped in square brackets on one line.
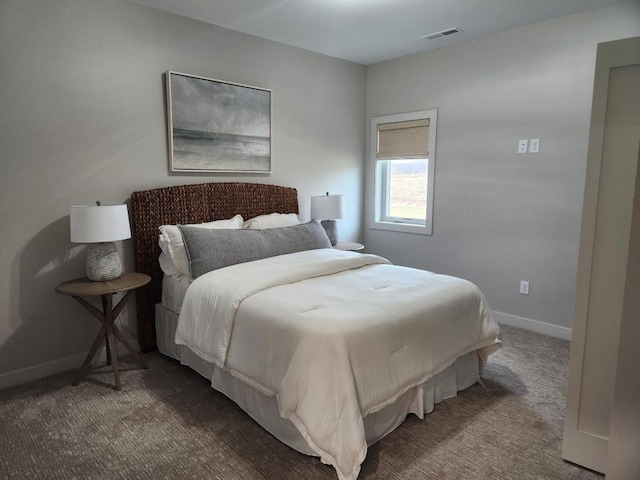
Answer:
[(334, 336)]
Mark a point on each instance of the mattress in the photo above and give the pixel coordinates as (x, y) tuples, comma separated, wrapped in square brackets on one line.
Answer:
[(174, 288)]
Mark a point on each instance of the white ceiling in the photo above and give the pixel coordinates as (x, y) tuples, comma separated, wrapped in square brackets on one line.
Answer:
[(371, 31)]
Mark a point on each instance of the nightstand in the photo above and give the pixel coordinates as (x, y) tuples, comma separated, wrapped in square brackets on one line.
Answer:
[(349, 246), (83, 287)]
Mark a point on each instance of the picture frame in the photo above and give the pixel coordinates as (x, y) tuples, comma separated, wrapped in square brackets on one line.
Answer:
[(217, 126)]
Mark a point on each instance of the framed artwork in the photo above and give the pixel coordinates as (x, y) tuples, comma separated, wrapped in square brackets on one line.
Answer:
[(217, 126)]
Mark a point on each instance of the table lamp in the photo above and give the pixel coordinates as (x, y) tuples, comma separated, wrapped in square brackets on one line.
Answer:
[(100, 226), (327, 208)]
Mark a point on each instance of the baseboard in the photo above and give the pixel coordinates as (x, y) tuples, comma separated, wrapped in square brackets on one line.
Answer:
[(36, 372), (533, 325)]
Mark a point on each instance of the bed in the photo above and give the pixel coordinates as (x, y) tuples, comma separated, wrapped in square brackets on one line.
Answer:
[(329, 351)]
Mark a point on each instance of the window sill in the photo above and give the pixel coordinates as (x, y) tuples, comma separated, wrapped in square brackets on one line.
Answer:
[(401, 227)]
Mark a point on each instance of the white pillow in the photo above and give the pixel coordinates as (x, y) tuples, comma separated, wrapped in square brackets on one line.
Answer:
[(166, 264), (173, 259), (273, 220)]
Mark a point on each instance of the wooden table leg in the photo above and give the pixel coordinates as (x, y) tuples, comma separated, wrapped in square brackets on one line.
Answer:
[(87, 361), (111, 340), (118, 334), (104, 310), (111, 333)]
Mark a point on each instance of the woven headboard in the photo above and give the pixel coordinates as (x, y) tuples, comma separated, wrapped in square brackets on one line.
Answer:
[(191, 204)]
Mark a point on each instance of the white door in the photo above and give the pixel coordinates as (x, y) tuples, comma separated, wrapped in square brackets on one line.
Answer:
[(604, 253)]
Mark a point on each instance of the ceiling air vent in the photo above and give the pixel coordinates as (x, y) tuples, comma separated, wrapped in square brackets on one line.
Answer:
[(441, 33)]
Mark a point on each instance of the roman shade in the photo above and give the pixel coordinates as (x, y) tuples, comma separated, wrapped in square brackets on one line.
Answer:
[(408, 139)]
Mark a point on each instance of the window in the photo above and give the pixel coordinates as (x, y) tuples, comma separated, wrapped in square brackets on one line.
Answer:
[(403, 154)]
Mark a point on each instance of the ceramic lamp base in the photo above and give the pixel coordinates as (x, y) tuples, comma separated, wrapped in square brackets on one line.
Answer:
[(103, 262), (331, 227)]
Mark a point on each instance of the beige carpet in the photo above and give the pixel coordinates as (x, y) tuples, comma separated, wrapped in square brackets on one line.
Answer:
[(167, 423)]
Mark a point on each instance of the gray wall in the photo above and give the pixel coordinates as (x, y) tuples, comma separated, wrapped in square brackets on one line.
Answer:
[(82, 118), (501, 217)]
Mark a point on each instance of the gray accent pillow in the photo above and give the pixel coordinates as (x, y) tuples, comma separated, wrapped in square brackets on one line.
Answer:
[(212, 249)]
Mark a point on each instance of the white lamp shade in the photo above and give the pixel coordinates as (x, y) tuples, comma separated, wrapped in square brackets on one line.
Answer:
[(94, 224), (327, 207)]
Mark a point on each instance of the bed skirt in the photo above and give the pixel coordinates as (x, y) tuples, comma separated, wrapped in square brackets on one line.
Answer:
[(264, 409)]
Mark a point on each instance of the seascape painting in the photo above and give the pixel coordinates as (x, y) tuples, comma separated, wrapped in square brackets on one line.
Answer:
[(218, 126)]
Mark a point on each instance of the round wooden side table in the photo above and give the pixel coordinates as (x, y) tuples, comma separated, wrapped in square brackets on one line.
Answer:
[(83, 287)]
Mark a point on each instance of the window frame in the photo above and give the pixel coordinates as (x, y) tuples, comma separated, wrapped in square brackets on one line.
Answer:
[(380, 187), (384, 172)]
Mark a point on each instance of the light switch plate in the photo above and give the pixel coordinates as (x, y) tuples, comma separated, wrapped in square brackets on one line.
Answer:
[(534, 145)]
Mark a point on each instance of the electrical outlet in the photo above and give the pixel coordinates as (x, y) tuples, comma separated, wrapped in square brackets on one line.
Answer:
[(534, 145), (524, 287), (522, 146)]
